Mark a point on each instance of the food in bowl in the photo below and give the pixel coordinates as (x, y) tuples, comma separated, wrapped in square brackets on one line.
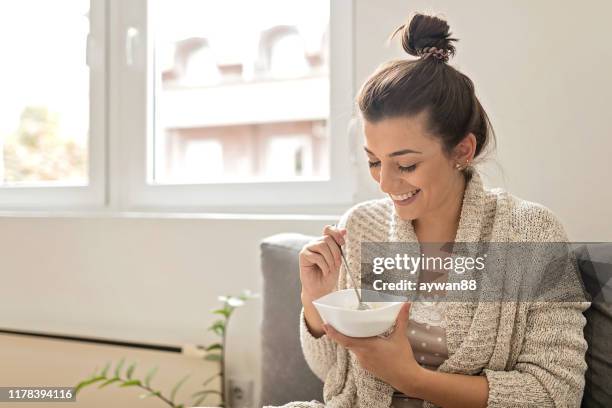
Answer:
[(340, 310)]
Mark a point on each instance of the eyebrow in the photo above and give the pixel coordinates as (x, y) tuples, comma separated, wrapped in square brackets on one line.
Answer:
[(398, 153)]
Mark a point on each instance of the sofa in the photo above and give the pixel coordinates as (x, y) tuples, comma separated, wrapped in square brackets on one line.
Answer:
[(286, 376)]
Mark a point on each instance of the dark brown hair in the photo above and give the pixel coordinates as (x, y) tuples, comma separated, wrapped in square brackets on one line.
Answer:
[(408, 87)]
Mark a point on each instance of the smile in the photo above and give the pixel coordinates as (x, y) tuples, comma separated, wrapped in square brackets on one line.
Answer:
[(405, 199), (405, 196)]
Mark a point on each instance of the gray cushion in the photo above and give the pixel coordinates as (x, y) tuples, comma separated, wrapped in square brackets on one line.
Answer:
[(595, 262), (285, 375)]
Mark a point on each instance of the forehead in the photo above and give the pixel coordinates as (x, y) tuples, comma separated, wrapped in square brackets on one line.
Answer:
[(392, 134)]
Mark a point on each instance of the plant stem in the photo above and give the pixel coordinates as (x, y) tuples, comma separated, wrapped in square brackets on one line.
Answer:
[(223, 342), (158, 394)]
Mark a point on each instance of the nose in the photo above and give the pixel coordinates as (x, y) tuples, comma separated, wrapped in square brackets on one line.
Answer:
[(388, 181)]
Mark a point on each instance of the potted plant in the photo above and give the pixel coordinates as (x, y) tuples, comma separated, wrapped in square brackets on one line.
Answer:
[(124, 376)]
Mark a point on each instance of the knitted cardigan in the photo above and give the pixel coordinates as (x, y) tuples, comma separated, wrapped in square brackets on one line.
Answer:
[(532, 353)]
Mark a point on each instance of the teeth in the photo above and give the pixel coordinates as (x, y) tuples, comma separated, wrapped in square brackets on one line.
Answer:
[(404, 196)]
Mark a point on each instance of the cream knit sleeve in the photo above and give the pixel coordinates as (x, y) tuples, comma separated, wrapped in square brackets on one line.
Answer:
[(550, 369), (320, 353)]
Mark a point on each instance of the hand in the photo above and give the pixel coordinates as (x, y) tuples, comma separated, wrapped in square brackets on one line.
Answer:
[(320, 262), (388, 358)]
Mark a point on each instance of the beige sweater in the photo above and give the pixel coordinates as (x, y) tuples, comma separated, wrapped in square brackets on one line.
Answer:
[(533, 354)]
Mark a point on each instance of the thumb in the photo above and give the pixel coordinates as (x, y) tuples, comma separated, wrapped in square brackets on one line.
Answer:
[(401, 323)]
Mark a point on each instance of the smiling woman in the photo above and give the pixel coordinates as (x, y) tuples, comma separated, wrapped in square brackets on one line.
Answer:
[(424, 126)]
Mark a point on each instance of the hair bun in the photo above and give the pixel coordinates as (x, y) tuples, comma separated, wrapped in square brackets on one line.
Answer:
[(423, 32)]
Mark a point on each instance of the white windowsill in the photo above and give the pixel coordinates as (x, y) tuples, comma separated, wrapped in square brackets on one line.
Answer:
[(168, 215)]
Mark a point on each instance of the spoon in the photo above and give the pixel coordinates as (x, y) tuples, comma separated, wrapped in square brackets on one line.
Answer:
[(362, 305)]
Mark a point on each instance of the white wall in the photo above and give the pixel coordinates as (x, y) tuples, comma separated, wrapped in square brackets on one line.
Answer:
[(541, 70), (145, 279)]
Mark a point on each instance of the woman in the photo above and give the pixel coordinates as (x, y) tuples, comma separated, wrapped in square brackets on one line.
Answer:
[(423, 128)]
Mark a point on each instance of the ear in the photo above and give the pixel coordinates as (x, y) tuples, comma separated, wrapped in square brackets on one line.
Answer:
[(466, 149)]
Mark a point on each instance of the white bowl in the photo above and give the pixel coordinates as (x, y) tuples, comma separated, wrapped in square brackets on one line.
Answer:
[(339, 309)]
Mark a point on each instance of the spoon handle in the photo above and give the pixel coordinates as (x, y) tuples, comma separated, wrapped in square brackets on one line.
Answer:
[(362, 306), (348, 270)]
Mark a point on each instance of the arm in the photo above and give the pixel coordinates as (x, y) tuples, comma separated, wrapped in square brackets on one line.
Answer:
[(550, 366), (318, 349), (550, 369), (448, 390)]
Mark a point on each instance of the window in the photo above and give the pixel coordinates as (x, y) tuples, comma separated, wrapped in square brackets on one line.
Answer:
[(52, 52), (205, 105), (226, 79)]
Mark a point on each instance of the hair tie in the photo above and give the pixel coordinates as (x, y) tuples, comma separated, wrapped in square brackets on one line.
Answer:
[(438, 53)]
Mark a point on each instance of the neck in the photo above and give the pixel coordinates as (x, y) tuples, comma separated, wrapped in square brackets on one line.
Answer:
[(441, 224)]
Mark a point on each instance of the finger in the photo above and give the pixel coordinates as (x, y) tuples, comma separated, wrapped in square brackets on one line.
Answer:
[(317, 259), (323, 248), (344, 341), (335, 250), (336, 233), (402, 319), (352, 343)]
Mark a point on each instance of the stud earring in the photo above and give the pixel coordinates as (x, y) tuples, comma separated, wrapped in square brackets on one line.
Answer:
[(460, 167)]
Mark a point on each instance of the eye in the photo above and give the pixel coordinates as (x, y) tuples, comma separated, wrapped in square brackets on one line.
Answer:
[(407, 169), (373, 164)]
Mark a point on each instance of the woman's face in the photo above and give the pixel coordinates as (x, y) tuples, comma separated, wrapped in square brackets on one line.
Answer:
[(410, 166)]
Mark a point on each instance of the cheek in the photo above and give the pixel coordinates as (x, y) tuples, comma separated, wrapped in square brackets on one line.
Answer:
[(416, 179), (375, 173), (435, 192), (422, 181)]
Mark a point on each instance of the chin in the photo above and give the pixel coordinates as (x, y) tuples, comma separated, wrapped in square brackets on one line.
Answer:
[(405, 215)]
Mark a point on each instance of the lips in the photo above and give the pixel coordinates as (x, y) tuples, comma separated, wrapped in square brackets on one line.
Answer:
[(405, 199), (405, 196)]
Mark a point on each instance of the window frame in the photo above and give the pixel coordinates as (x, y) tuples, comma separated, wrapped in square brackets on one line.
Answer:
[(120, 141), (63, 195), (133, 114)]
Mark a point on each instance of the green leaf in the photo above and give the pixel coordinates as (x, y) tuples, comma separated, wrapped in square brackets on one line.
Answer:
[(224, 312), (150, 394), (247, 294), (218, 327), (215, 346), (130, 371), (212, 357), (112, 380), (130, 383), (205, 392), (87, 382), (118, 368), (149, 376), (203, 395), (209, 379), (217, 323), (177, 386), (105, 370), (199, 401)]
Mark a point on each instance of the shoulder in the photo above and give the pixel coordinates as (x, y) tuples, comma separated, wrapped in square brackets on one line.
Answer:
[(534, 222), (371, 215)]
